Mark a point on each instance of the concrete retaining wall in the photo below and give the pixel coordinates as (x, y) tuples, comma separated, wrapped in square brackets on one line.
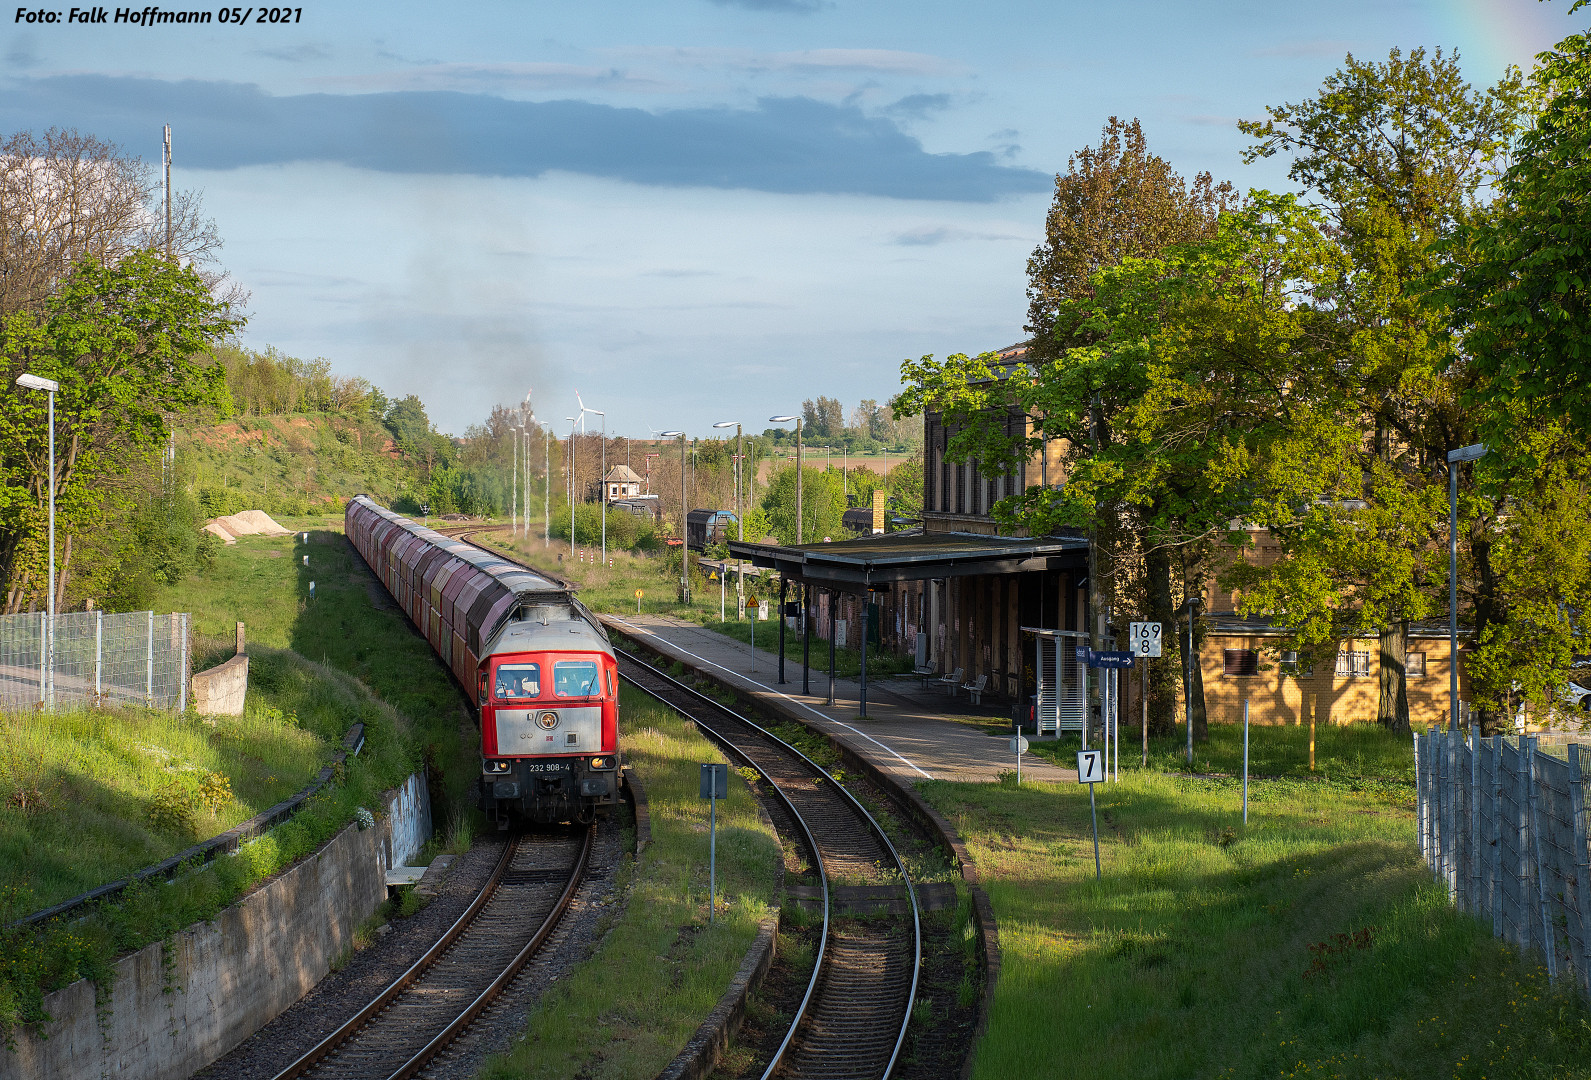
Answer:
[(219, 691), (170, 1014)]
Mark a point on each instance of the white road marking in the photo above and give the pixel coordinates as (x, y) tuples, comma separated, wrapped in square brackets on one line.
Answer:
[(821, 716)]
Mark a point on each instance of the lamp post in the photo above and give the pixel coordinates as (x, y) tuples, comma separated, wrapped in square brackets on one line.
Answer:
[(602, 483), (49, 386), (571, 483), (1454, 457), (786, 420), (740, 523), (684, 542), (513, 485)]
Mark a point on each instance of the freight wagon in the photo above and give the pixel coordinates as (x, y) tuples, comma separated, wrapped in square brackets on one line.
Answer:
[(535, 661)]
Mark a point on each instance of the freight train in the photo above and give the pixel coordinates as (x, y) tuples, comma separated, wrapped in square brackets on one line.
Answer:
[(536, 662)]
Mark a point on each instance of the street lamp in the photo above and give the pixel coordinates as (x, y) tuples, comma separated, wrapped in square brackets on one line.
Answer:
[(684, 541), (49, 386), (602, 504), (786, 420), (572, 482), (1187, 677), (513, 486), (740, 582), (1454, 457)]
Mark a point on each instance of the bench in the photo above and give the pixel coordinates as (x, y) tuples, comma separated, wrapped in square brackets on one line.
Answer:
[(924, 673), (975, 688), (951, 681)]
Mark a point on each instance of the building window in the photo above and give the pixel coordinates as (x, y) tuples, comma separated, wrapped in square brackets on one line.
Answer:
[(1414, 665), (1353, 663), (1241, 662), (1292, 666)]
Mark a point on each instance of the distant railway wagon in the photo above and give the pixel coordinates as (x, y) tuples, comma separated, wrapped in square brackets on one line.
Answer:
[(536, 662), (703, 527)]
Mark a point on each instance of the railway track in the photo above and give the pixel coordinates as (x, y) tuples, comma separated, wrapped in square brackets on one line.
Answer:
[(852, 1021), (427, 1007)]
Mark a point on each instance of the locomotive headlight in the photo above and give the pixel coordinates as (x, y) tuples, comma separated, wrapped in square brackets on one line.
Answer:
[(602, 763), (547, 720), (498, 766)]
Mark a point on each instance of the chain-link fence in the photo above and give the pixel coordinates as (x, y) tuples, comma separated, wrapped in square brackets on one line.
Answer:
[(1503, 822), (136, 657)]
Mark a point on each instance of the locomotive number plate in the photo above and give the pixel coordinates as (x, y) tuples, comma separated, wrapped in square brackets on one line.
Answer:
[(546, 766)]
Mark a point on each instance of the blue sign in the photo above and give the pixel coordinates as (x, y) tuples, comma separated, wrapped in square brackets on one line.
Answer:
[(1083, 653), (1111, 660)]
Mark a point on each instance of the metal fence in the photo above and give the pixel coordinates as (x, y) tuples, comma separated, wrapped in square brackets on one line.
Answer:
[(1503, 822), (136, 657)]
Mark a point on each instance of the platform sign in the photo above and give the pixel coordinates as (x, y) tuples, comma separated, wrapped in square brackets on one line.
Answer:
[(715, 781), (715, 786), (1083, 653), (1091, 771), (1145, 638), (1091, 766), (1110, 659)]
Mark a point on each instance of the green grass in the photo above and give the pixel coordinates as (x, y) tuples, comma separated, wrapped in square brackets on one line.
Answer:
[(1362, 750), (323, 701), (351, 625), (89, 796), (1312, 942), (629, 1010)]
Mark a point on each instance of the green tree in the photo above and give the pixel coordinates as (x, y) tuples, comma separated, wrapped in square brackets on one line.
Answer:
[(129, 345), (1396, 153), (1522, 291), (822, 504)]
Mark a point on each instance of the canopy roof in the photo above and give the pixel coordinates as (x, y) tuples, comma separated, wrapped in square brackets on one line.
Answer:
[(852, 565)]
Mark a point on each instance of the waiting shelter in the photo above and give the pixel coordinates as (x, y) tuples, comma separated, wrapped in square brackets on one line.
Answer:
[(960, 600)]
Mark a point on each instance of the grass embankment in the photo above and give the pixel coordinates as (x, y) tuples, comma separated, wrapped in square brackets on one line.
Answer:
[(293, 464), (661, 968), (351, 625), (1311, 942), (293, 703)]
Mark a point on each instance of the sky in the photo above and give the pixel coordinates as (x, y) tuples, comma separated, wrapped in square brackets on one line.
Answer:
[(687, 211)]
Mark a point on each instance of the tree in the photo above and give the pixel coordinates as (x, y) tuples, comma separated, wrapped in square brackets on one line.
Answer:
[(129, 345), (1114, 201), (66, 197), (1396, 153), (825, 418), (1521, 292), (822, 504)]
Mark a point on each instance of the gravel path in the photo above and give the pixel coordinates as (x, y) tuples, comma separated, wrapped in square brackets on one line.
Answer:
[(343, 993)]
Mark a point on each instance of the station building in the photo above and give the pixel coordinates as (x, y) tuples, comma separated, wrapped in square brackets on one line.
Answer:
[(1006, 611)]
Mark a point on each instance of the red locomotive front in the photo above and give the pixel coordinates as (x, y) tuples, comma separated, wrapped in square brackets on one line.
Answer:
[(549, 729)]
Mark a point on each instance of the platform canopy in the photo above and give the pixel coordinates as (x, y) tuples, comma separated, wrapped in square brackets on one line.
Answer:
[(853, 565)]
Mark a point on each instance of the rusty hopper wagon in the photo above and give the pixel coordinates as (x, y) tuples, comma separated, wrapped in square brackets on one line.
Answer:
[(535, 661)]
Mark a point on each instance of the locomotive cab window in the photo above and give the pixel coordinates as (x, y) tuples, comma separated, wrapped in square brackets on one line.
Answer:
[(518, 681), (576, 678)]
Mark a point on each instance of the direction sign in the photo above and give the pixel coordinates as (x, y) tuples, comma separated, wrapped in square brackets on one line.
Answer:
[(1090, 766), (1110, 659), (1083, 652), (1019, 744), (1145, 638)]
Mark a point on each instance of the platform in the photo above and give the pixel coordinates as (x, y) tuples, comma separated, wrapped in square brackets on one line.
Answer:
[(911, 734)]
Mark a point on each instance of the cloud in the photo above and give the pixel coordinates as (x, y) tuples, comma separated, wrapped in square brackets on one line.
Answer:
[(22, 54), (918, 106), (476, 78), (876, 61), (294, 54), (932, 236), (789, 145)]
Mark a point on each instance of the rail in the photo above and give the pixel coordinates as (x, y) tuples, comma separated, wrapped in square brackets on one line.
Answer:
[(818, 968), (411, 1061)]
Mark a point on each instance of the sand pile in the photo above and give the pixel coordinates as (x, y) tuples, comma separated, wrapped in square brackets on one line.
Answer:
[(248, 523)]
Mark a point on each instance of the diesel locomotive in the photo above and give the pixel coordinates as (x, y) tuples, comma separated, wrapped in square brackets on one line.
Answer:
[(537, 663)]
